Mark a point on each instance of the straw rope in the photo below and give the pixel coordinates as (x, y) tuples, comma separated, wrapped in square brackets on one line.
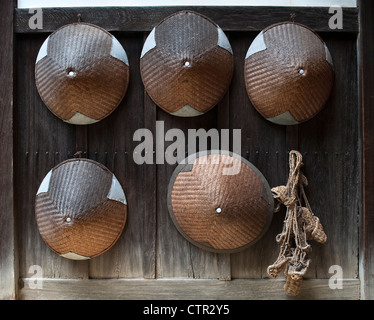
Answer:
[(300, 225)]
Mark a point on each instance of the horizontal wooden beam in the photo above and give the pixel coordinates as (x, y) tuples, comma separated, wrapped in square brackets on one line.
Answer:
[(194, 289), (143, 19)]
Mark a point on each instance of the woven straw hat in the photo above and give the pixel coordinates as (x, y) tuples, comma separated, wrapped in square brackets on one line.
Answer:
[(82, 73), (80, 209), (288, 73), (186, 64), (219, 201)]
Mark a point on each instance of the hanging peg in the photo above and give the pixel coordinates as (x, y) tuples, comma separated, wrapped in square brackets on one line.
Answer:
[(78, 154), (292, 17)]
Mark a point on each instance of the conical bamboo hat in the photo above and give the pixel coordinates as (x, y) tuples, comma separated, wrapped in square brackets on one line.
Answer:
[(219, 201), (288, 73), (186, 64), (80, 209), (81, 73)]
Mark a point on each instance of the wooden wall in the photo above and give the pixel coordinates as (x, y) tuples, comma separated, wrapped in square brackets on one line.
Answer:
[(151, 252), (366, 85)]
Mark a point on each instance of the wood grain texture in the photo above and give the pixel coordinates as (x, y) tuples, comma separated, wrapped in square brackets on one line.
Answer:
[(132, 19), (150, 246), (176, 256), (223, 123), (8, 252), (110, 142), (150, 201), (263, 144), (187, 289), (42, 142), (330, 144), (366, 67)]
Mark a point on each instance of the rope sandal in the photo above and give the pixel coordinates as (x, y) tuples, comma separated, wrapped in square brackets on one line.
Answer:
[(300, 225)]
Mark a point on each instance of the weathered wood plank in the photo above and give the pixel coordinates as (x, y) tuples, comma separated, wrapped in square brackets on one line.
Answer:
[(141, 19), (111, 143), (263, 144), (151, 246), (223, 122), (150, 190), (8, 249), (176, 256), (330, 144), (42, 142), (196, 289), (366, 71)]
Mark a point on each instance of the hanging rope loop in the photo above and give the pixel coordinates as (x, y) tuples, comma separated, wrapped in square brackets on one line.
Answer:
[(300, 225)]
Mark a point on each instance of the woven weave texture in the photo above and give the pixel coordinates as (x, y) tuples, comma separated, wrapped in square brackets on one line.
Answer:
[(100, 80), (291, 74), (192, 39), (75, 214), (243, 199)]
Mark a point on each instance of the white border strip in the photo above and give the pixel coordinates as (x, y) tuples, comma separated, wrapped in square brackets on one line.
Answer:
[(160, 3)]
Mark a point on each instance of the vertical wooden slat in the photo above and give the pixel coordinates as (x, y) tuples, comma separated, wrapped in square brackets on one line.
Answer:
[(263, 144), (366, 71), (150, 198), (42, 141), (111, 143), (292, 135), (8, 250), (81, 139), (176, 257), (330, 145), (223, 122)]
